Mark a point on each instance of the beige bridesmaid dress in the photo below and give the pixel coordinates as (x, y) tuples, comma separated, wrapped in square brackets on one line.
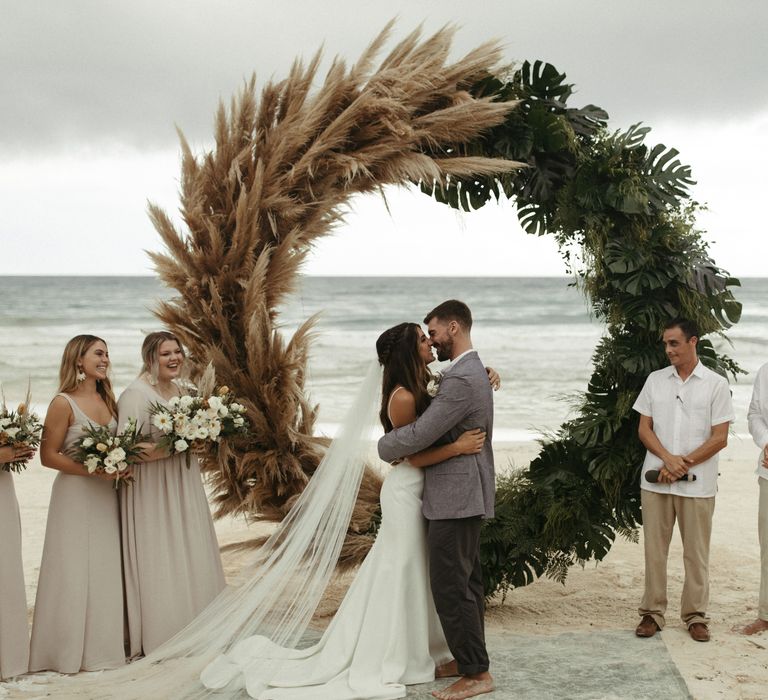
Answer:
[(14, 630), (171, 558), (78, 622)]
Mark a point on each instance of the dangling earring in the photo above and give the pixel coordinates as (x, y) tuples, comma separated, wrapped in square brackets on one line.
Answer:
[(80, 376)]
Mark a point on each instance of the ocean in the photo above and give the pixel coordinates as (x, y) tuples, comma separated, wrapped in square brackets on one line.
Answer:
[(536, 332)]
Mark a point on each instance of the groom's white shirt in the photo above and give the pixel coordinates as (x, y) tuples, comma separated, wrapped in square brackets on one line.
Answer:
[(453, 362)]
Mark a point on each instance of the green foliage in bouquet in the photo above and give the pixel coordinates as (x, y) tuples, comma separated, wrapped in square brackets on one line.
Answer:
[(620, 211)]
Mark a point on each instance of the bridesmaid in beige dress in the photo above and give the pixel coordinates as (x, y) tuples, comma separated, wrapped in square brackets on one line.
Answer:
[(78, 622), (171, 557), (14, 630)]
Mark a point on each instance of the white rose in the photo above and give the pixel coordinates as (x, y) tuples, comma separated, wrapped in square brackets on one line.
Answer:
[(4, 422), (88, 442), (223, 411), (92, 464), (211, 413), (236, 407), (215, 403), (110, 468), (185, 402), (201, 434), (180, 445), (117, 455), (239, 421), (11, 432), (173, 402), (122, 466)]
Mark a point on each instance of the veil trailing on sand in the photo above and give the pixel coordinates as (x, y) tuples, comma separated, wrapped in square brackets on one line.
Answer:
[(284, 581)]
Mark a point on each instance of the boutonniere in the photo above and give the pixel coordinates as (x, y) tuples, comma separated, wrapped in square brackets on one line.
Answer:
[(434, 384)]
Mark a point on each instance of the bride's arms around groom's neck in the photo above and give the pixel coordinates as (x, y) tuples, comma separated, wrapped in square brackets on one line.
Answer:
[(402, 411)]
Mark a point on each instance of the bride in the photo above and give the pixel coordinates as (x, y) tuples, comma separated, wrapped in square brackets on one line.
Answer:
[(386, 634)]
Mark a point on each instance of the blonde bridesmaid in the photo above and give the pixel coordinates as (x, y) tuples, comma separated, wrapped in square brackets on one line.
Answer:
[(78, 621), (170, 552), (14, 630)]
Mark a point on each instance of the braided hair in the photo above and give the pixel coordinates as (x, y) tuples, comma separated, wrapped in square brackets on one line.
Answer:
[(398, 352)]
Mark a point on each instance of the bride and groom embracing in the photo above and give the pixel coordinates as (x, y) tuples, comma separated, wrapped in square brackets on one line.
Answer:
[(415, 609), (458, 489)]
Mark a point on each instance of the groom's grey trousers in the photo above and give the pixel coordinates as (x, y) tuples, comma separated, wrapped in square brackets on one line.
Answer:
[(457, 587), (457, 494)]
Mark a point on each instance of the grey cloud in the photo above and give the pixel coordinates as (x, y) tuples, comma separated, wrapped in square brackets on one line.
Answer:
[(96, 72)]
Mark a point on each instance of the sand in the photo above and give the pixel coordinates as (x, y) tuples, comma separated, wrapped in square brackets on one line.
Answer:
[(601, 596)]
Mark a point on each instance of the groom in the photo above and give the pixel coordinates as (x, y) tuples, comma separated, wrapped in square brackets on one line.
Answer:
[(458, 494)]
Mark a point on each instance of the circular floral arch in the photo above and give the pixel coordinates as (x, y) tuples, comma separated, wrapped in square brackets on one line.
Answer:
[(284, 165)]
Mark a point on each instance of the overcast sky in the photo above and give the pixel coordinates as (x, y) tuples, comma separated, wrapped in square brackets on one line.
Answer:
[(91, 91)]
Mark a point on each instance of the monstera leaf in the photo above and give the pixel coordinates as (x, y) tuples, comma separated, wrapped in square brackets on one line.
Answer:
[(668, 178), (542, 81)]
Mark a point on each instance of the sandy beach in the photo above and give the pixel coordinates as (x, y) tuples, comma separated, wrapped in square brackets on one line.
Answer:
[(601, 596)]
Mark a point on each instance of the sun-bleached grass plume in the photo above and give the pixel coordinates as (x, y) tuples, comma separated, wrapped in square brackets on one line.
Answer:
[(283, 166)]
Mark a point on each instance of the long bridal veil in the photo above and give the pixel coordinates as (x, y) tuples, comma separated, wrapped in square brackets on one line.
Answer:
[(283, 586)]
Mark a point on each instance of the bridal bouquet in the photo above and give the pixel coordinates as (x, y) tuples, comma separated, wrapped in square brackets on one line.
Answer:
[(19, 428), (197, 423), (100, 452)]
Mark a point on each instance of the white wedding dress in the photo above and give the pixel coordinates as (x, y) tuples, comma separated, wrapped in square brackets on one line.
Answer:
[(385, 635)]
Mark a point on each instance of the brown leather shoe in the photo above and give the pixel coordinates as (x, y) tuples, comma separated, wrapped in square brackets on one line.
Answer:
[(699, 632), (647, 627)]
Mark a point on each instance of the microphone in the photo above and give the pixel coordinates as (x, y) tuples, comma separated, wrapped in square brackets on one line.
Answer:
[(652, 475)]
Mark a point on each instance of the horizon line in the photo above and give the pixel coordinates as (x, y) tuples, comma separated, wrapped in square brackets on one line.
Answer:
[(127, 275)]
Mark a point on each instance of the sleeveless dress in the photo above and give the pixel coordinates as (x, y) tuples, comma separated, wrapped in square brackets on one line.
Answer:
[(14, 630), (171, 559), (386, 633), (78, 622)]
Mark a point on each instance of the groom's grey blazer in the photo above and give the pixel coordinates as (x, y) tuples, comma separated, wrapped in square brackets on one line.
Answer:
[(463, 486)]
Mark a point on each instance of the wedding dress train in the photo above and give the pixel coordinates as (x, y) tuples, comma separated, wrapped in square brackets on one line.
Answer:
[(385, 635)]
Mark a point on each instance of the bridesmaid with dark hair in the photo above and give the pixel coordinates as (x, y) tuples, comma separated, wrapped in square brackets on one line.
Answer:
[(78, 622), (14, 630), (170, 553)]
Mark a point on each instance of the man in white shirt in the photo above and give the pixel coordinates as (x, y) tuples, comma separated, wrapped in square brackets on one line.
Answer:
[(757, 417), (685, 410)]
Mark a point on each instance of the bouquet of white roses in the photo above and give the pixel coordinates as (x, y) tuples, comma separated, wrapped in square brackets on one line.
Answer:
[(100, 452), (19, 428), (197, 423)]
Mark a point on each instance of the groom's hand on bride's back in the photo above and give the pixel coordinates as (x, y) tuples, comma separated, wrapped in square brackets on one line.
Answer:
[(470, 442), (494, 378)]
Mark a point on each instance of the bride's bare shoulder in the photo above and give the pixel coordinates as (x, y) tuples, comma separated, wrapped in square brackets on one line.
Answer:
[(402, 407)]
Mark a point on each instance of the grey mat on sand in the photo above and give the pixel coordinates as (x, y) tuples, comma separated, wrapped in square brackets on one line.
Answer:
[(578, 666)]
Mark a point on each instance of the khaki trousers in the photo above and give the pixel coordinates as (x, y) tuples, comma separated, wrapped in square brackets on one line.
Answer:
[(694, 519), (762, 531)]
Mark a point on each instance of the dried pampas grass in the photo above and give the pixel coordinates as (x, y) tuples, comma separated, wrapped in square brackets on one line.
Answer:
[(283, 166)]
